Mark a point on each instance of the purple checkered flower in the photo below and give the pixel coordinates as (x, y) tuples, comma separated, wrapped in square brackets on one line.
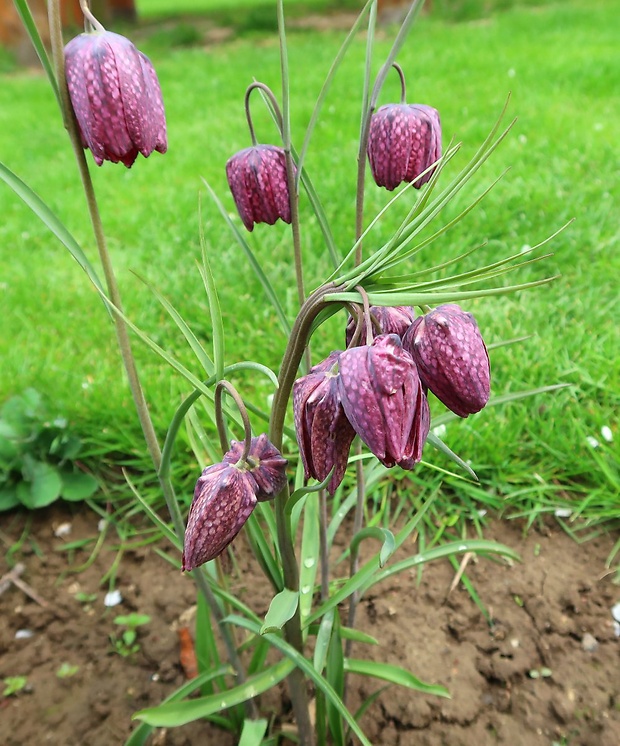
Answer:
[(390, 320), (265, 463), (116, 98), (404, 140), (323, 432), (224, 499), (452, 358), (257, 180), (383, 399)]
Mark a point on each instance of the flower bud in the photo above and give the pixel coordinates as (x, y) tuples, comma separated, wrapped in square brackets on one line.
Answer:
[(452, 358), (323, 432), (257, 180), (265, 463), (383, 400), (116, 98), (390, 320), (224, 499), (403, 141)]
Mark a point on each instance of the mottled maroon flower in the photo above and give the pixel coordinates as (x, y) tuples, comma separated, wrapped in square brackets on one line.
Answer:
[(404, 140), (257, 180), (323, 432), (116, 98), (452, 358), (224, 499), (383, 399), (265, 463), (390, 320)]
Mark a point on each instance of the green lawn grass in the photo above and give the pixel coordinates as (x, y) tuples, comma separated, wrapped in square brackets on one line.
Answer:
[(560, 64)]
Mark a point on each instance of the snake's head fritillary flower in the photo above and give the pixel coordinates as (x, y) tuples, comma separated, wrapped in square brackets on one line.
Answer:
[(323, 432), (116, 98), (224, 499), (452, 358), (257, 180), (404, 140), (383, 400), (265, 463), (389, 320)]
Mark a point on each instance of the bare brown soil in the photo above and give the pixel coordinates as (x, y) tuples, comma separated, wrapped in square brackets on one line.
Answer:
[(551, 614)]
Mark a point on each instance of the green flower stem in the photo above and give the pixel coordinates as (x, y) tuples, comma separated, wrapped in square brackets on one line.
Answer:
[(122, 332), (298, 342)]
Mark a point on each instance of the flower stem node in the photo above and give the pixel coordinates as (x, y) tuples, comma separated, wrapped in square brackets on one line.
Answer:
[(403, 142), (258, 182), (384, 401), (116, 98), (452, 358)]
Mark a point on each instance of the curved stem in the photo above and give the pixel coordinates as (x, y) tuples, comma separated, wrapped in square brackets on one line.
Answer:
[(269, 93), (219, 418), (88, 16), (367, 314), (403, 85), (122, 332)]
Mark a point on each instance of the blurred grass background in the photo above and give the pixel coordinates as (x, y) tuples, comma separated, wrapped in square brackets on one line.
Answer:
[(559, 62)]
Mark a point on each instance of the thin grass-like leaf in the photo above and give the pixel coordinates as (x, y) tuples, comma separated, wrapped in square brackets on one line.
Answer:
[(24, 13), (55, 225), (174, 714), (384, 535), (441, 446), (217, 324), (309, 556), (334, 674), (253, 732), (156, 520), (254, 263), (308, 669), (262, 552), (140, 735), (322, 641), (393, 674)]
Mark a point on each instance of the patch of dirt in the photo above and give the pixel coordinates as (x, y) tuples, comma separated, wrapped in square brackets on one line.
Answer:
[(546, 670)]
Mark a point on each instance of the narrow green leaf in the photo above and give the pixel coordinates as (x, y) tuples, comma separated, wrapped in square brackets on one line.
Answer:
[(263, 552), (323, 637), (155, 518), (254, 263), (307, 490), (346, 633), (192, 339), (308, 669), (445, 550), (253, 732), (217, 324), (393, 674), (281, 609), (49, 219), (174, 714), (309, 557), (33, 32), (381, 534), (335, 675), (441, 446), (140, 735)]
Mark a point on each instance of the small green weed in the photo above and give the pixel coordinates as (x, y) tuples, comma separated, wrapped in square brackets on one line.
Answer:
[(66, 671), (14, 685), (126, 644), (38, 456)]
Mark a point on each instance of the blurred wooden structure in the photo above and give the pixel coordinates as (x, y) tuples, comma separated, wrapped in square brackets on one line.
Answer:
[(14, 37)]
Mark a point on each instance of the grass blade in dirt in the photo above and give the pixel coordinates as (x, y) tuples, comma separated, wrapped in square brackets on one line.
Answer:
[(174, 714), (308, 669), (141, 734), (393, 674)]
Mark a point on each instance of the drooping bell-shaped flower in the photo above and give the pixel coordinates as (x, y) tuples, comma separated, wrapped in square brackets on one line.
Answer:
[(224, 499), (116, 98), (389, 320), (383, 400), (404, 140), (452, 358), (257, 180), (323, 432), (265, 463)]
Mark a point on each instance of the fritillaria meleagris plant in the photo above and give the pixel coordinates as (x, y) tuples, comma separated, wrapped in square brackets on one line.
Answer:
[(257, 177), (116, 97), (404, 141)]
